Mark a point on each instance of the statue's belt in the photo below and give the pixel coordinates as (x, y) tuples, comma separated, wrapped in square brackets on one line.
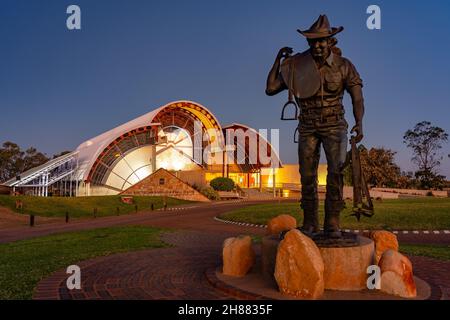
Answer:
[(323, 114), (322, 119)]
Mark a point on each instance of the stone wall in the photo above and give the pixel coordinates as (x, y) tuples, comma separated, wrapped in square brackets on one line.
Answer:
[(192, 177), (412, 192), (164, 183)]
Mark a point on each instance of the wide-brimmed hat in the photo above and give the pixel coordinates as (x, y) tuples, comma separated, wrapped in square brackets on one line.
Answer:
[(321, 29)]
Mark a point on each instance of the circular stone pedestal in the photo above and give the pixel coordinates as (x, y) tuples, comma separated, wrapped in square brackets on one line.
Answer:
[(345, 267)]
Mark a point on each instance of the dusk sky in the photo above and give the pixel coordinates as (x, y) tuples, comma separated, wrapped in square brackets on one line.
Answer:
[(59, 88)]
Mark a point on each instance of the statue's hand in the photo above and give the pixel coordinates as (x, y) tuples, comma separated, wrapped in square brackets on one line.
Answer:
[(284, 53), (359, 132)]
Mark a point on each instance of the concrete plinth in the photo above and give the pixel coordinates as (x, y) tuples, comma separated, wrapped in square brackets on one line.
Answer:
[(345, 268)]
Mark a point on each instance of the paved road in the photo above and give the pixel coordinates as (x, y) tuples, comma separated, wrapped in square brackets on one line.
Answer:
[(198, 216)]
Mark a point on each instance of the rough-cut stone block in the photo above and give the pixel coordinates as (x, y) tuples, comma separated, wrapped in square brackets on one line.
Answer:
[(397, 275), (384, 240), (238, 256), (281, 223), (299, 266)]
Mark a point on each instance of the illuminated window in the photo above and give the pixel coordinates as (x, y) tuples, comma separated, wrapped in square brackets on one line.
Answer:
[(176, 152)]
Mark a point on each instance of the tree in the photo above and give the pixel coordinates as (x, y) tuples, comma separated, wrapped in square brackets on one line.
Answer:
[(10, 160), (60, 154), (406, 180), (425, 141), (14, 161), (379, 167), (33, 158), (430, 180)]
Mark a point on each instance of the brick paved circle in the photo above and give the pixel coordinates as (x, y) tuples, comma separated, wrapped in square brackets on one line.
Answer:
[(180, 272), (169, 273)]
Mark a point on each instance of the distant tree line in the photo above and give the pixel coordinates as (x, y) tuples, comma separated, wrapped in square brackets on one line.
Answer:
[(426, 140), (14, 160), (380, 168)]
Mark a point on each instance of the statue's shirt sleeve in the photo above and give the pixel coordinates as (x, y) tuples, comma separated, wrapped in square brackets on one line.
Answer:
[(351, 75)]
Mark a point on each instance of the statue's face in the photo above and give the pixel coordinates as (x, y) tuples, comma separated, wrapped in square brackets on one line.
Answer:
[(320, 48)]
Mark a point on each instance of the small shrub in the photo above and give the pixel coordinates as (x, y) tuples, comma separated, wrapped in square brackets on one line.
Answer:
[(222, 184), (210, 193), (429, 194)]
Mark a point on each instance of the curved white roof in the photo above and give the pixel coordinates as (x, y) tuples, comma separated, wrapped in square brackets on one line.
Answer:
[(89, 150), (235, 124)]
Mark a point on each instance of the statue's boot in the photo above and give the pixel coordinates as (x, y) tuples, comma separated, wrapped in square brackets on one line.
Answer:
[(331, 223), (310, 217)]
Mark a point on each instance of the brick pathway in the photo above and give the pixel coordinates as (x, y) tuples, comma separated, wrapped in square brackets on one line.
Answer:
[(174, 273), (179, 272), (435, 273)]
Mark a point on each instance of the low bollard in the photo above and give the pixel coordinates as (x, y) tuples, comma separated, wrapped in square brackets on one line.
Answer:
[(95, 212), (135, 208), (67, 217), (118, 211), (152, 206), (31, 220), (165, 206)]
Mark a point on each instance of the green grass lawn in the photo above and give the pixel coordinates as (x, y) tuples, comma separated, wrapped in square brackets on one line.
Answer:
[(403, 214), (83, 206), (24, 263), (432, 251)]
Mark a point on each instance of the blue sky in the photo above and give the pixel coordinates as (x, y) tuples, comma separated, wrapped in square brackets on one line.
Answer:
[(60, 87)]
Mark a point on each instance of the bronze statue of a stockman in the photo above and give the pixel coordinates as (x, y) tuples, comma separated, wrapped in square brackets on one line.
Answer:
[(317, 79)]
